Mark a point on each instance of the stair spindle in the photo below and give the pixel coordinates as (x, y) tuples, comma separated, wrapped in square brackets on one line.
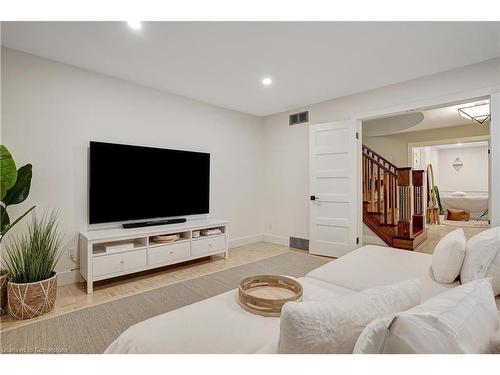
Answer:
[(385, 196)]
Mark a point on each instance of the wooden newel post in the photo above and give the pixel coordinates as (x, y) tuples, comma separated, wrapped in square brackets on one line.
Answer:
[(404, 192), (418, 199)]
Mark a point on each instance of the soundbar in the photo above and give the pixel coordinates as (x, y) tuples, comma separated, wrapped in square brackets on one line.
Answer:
[(153, 222)]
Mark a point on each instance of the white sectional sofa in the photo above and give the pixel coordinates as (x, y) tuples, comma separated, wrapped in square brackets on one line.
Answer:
[(220, 325)]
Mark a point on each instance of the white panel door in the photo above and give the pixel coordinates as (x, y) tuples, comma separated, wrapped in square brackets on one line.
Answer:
[(332, 187)]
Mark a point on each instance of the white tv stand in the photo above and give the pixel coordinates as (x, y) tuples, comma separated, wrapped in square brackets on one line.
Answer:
[(96, 264)]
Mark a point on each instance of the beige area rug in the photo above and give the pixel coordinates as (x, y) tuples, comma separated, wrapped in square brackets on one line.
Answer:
[(91, 330), (467, 224)]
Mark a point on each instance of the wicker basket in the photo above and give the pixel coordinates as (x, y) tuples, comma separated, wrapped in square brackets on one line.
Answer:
[(3, 294), (30, 300), (266, 294)]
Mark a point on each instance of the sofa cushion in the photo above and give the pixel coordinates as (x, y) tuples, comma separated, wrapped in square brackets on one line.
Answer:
[(317, 290), (461, 320), (231, 328), (371, 266), (333, 325), (448, 256), (482, 258)]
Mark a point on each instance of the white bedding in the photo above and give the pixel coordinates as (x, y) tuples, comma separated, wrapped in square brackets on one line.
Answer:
[(477, 205), (215, 325), (220, 325), (373, 265)]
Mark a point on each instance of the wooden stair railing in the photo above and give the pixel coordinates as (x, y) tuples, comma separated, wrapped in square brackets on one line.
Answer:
[(393, 204), (380, 186)]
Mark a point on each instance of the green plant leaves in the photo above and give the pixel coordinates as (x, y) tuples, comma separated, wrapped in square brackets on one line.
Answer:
[(14, 188), (19, 192), (7, 225), (4, 220), (8, 171), (33, 256), (438, 198)]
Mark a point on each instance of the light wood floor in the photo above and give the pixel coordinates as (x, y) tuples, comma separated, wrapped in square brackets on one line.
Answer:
[(436, 232), (74, 297)]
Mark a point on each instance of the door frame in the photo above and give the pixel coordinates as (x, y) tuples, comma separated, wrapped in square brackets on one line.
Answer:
[(492, 93), (477, 138)]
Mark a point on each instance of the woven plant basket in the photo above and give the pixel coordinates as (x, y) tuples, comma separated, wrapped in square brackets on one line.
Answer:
[(30, 300), (3, 294)]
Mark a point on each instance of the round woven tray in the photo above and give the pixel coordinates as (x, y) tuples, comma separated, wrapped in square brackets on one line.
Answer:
[(166, 238), (266, 294)]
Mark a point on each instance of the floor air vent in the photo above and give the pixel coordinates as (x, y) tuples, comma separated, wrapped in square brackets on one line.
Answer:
[(299, 243), (298, 118)]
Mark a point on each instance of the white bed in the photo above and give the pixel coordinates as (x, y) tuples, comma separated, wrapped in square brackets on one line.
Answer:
[(220, 325), (476, 205)]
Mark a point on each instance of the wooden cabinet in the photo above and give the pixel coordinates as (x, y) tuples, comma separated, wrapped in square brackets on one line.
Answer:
[(115, 252), (207, 245), (117, 263), (165, 254)]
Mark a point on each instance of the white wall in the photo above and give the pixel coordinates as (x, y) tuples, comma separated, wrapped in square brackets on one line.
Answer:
[(471, 178), (50, 112), (394, 147), (286, 190)]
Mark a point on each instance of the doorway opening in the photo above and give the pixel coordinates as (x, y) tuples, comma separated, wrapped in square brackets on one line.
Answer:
[(425, 173)]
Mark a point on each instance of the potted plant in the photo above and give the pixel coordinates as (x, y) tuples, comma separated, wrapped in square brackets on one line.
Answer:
[(30, 260), (3, 292), (14, 188)]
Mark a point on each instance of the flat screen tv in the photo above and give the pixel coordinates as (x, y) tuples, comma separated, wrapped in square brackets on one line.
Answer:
[(133, 182)]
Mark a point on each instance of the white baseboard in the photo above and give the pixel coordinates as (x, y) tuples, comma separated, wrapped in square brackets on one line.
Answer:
[(245, 240), (69, 277), (369, 239), (279, 240)]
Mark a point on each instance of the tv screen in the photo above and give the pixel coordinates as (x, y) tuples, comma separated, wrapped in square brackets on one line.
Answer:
[(134, 182)]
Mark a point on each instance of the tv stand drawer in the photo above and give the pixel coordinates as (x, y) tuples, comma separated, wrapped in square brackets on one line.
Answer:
[(110, 264), (208, 245), (167, 253)]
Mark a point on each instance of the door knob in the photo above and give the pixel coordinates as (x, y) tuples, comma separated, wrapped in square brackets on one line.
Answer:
[(313, 197)]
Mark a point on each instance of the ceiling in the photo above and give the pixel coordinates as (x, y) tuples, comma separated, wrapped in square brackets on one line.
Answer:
[(459, 145), (223, 63), (435, 118), (446, 117)]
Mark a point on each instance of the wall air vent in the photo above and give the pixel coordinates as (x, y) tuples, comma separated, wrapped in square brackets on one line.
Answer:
[(298, 118)]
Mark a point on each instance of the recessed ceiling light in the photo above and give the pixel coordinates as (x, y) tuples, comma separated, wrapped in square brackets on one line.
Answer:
[(459, 144), (267, 81), (134, 25)]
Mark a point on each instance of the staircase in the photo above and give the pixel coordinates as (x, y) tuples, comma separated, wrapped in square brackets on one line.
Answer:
[(393, 201)]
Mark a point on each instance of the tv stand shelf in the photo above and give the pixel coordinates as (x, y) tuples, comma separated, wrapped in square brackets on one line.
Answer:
[(108, 253)]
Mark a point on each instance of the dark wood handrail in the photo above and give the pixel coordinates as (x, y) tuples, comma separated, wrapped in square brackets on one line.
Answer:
[(378, 156), (381, 166), (373, 160)]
